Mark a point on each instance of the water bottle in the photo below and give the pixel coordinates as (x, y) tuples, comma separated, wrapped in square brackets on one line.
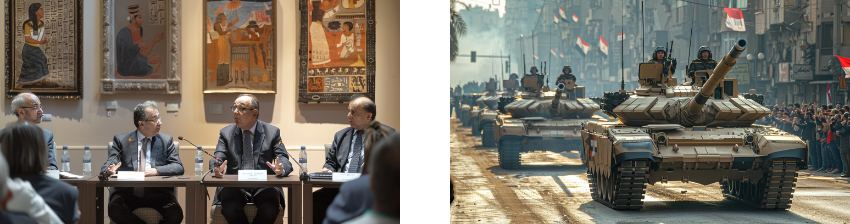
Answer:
[(199, 163), (303, 160), (66, 160), (87, 162)]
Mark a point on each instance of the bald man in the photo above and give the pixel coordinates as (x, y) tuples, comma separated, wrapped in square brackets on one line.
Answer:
[(346, 154)]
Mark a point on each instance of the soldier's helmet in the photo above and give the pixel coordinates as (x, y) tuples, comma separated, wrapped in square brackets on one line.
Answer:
[(513, 76), (657, 49), (565, 68), (704, 48), (534, 69)]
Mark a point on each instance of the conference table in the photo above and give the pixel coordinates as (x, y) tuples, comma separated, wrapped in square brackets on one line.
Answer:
[(291, 183), (94, 205), (308, 195), (82, 194)]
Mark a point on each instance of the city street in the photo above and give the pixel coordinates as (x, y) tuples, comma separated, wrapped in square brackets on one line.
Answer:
[(552, 188)]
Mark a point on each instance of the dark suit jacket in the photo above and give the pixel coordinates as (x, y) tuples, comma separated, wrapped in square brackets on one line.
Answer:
[(354, 198), (267, 146), (51, 148), (60, 196), (16, 217), (337, 156), (164, 157)]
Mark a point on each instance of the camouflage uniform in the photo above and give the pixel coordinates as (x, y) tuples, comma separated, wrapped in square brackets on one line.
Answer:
[(534, 73), (671, 62), (701, 63), (566, 75)]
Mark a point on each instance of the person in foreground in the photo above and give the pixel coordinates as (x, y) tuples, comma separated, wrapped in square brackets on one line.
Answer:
[(384, 162)]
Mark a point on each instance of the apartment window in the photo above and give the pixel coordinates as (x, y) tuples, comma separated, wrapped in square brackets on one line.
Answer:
[(740, 4), (825, 31), (845, 34)]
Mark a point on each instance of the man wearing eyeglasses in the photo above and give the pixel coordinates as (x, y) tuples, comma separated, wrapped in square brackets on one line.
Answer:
[(144, 150), (27, 107), (250, 144)]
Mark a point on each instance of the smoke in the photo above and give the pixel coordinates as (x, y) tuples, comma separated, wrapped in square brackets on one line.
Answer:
[(485, 41)]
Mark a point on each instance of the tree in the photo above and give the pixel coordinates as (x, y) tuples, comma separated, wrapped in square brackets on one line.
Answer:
[(458, 28)]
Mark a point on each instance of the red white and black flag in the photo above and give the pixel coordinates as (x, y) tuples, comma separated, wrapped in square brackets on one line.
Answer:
[(561, 10), (575, 18), (556, 18), (582, 45), (621, 36), (603, 46), (553, 52), (735, 19), (535, 56), (562, 54), (845, 65)]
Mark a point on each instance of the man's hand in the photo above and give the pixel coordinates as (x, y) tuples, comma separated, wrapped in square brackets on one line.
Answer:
[(219, 171), (112, 169), (151, 172), (277, 167), (326, 170)]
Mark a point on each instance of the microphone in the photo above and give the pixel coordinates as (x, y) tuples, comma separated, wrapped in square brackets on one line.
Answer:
[(303, 177), (217, 160), (104, 176)]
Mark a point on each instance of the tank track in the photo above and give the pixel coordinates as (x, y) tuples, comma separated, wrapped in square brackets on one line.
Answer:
[(623, 189), (773, 192), (464, 119), (488, 140), (476, 130), (509, 153)]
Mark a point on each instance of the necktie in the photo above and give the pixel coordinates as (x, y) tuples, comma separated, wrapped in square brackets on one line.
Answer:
[(247, 150), (140, 191), (354, 164)]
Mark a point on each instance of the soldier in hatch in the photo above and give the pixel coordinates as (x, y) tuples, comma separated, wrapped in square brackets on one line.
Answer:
[(659, 56), (704, 61)]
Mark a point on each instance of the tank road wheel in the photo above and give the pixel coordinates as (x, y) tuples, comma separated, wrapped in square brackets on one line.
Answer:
[(475, 129), (583, 159), (624, 188), (509, 151), (488, 140)]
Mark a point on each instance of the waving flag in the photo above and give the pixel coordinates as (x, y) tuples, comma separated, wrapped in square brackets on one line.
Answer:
[(735, 19), (553, 52), (845, 65), (575, 18), (828, 96), (556, 18), (582, 45), (535, 57), (621, 36), (603, 46), (538, 10), (561, 10), (562, 54)]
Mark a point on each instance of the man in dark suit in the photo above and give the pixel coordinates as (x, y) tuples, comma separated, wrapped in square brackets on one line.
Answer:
[(267, 152), (347, 151), (27, 107), (144, 150)]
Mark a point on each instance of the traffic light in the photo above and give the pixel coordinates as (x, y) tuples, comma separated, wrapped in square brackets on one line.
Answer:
[(508, 66), (472, 57)]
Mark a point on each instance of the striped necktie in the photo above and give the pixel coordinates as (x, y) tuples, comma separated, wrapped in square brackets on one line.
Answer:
[(247, 150), (140, 191), (354, 164)]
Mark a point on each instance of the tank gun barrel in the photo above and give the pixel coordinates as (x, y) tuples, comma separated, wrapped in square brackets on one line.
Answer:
[(557, 100), (723, 68)]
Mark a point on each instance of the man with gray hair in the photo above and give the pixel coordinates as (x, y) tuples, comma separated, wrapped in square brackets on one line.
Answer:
[(144, 150), (27, 107)]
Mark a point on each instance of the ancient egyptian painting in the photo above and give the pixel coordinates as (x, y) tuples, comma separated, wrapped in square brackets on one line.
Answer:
[(337, 51), (44, 48), (239, 46), (141, 52)]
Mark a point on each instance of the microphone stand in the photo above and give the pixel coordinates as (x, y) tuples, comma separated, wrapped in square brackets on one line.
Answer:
[(217, 163)]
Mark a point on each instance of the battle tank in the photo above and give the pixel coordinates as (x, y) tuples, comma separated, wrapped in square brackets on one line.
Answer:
[(694, 133), (541, 121), (493, 106)]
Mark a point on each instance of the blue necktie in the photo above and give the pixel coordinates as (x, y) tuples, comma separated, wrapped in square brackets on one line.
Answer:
[(354, 164), (247, 151)]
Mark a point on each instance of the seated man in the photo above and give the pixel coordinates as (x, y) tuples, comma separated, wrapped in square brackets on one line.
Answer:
[(144, 150), (346, 153), (27, 107), (354, 196), (265, 151)]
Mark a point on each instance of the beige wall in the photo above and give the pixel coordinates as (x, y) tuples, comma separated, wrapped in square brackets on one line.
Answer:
[(85, 121)]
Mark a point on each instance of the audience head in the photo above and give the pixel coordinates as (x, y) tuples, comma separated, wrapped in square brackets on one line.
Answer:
[(27, 107), (361, 111), (24, 142), (373, 134), (246, 111), (146, 118), (386, 181)]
